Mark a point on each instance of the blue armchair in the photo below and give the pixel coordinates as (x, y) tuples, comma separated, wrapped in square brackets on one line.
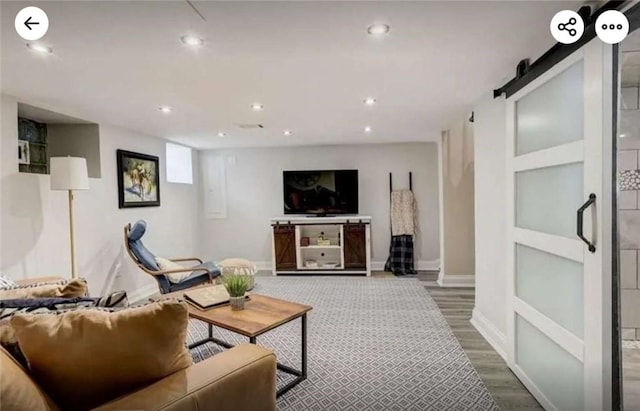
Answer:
[(200, 273)]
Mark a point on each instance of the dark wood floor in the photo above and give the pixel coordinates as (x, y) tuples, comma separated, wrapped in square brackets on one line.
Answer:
[(456, 305)]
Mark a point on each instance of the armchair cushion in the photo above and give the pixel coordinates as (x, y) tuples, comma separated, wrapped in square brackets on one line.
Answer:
[(166, 264), (194, 278), (144, 256), (138, 230), (85, 358), (210, 266)]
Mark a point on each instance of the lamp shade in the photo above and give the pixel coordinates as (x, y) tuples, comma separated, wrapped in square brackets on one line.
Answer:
[(69, 173)]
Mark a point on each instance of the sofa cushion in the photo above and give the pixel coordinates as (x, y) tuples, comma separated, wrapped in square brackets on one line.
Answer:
[(76, 287), (166, 264), (87, 357), (17, 390)]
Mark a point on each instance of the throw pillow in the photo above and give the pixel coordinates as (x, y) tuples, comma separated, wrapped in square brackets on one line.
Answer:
[(8, 308), (165, 264), (72, 288), (6, 283), (88, 357)]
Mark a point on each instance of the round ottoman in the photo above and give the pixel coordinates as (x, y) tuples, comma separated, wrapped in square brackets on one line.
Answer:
[(239, 266)]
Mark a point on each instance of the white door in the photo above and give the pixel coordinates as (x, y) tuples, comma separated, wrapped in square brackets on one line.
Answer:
[(559, 294)]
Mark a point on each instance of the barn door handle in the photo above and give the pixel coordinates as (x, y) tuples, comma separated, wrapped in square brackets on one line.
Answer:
[(590, 201)]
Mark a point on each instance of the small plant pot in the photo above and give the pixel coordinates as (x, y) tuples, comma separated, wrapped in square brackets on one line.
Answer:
[(237, 303)]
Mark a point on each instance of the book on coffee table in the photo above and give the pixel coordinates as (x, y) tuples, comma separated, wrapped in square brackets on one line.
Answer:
[(208, 297)]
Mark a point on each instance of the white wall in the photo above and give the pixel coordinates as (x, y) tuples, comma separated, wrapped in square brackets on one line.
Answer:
[(76, 140), (34, 219), (254, 195), (489, 314)]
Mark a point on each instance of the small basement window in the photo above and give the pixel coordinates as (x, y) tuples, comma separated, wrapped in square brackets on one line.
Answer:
[(179, 164)]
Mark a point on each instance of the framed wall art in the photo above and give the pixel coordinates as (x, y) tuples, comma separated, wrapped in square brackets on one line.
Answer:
[(138, 180)]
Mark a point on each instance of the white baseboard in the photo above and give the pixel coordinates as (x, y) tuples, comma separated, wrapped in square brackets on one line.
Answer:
[(264, 265), (421, 265), (142, 294), (490, 332), (449, 280)]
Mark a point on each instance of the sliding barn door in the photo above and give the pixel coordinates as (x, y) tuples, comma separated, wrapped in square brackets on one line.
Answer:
[(558, 150)]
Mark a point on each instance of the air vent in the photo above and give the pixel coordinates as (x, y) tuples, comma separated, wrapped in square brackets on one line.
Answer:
[(256, 126)]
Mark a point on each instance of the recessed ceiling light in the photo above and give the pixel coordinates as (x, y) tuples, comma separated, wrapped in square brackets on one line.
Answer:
[(165, 109), (221, 134), (377, 29), (287, 132), (40, 48), (369, 101), (257, 107), (192, 41), (367, 129)]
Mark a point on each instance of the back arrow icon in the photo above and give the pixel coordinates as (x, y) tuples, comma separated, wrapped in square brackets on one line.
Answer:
[(28, 23)]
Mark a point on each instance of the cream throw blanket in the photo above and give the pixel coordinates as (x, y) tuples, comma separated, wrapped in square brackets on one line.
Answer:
[(403, 213)]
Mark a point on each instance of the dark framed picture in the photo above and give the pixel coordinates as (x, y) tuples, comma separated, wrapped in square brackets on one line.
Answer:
[(138, 180)]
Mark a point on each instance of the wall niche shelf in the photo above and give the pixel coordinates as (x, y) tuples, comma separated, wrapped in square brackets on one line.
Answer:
[(43, 134)]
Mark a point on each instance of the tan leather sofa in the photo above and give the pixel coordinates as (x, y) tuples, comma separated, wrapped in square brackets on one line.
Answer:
[(242, 378)]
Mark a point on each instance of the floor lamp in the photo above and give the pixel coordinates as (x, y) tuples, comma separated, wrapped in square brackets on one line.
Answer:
[(69, 174)]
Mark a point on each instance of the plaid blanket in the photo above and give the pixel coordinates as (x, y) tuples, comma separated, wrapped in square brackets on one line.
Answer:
[(400, 261)]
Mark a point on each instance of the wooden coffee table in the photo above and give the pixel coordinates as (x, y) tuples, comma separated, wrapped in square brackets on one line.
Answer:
[(261, 314)]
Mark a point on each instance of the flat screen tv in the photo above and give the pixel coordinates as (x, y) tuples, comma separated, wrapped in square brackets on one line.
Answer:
[(321, 192)]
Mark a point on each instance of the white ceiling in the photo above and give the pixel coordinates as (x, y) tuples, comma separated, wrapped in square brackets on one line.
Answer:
[(309, 63)]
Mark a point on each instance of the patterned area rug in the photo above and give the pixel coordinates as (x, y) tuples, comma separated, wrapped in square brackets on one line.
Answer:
[(373, 343)]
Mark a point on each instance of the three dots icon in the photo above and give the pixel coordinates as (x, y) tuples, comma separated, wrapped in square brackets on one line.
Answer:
[(612, 26)]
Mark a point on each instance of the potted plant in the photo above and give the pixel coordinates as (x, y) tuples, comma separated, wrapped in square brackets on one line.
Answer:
[(236, 286)]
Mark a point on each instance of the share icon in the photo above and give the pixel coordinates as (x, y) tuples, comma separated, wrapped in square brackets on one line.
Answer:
[(572, 31), (567, 26)]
